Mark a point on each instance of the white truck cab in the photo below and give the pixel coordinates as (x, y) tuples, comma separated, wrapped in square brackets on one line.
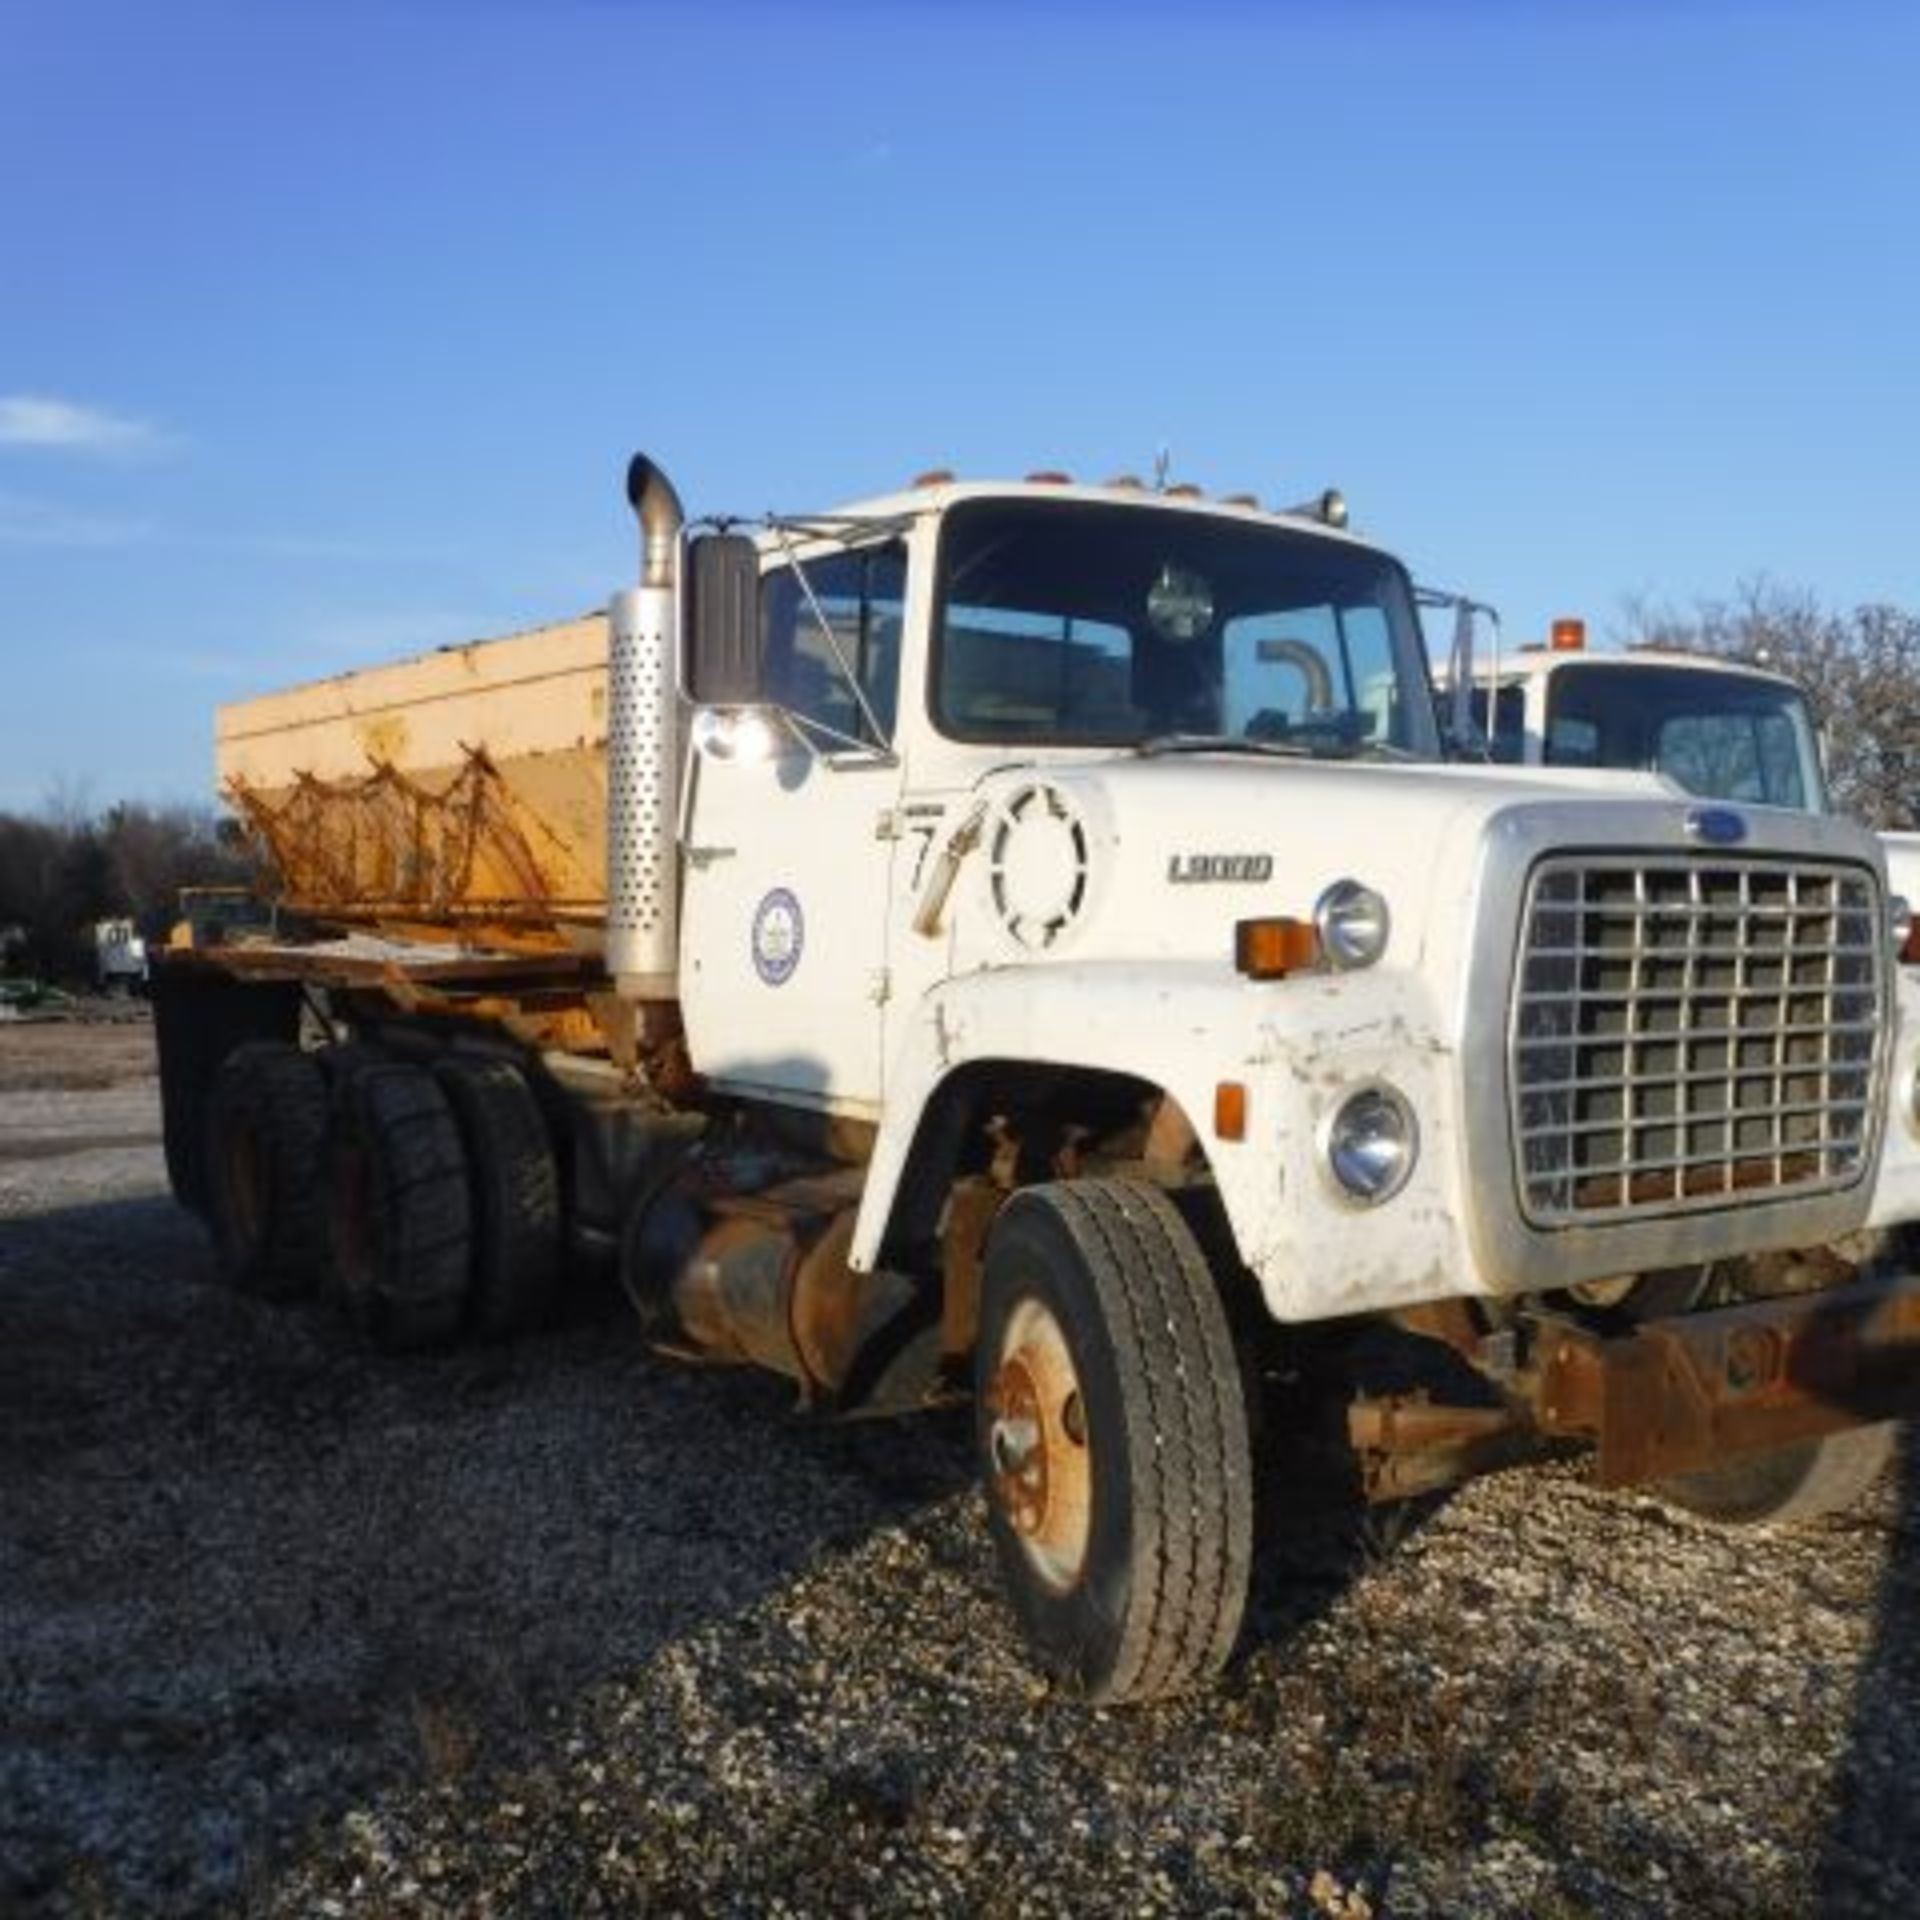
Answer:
[(1021, 763), (1718, 728)]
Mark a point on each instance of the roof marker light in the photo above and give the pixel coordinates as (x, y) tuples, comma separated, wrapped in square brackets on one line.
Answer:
[(1329, 507)]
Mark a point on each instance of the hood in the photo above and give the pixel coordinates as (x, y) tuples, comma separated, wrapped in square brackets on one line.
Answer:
[(1156, 858)]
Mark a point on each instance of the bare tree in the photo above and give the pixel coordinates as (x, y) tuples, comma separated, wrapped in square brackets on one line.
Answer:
[(64, 868), (1860, 670), (156, 851)]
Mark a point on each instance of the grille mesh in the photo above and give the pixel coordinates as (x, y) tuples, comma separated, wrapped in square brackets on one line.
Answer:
[(1685, 1031)]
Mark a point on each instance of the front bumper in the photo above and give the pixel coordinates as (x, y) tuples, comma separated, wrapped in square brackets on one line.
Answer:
[(1672, 1396), (1663, 1397)]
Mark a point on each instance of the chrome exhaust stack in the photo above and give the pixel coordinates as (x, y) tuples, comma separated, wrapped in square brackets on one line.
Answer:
[(643, 750)]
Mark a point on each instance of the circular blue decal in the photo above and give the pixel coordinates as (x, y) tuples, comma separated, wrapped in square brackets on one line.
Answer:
[(779, 934)]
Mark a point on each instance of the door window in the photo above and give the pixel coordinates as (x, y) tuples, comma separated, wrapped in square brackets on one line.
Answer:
[(861, 596)]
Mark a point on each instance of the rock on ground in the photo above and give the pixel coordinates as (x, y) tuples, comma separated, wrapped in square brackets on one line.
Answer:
[(557, 1628)]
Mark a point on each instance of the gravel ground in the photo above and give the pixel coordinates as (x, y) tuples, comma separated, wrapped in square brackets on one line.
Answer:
[(559, 1628)]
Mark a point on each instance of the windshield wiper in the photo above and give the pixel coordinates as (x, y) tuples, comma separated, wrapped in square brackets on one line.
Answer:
[(1160, 743), (1325, 747), (1279, 749)]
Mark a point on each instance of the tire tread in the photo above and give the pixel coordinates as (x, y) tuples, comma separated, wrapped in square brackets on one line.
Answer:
[(398, 1118), (514, 1190), (1186, 1443), (278, 1090)]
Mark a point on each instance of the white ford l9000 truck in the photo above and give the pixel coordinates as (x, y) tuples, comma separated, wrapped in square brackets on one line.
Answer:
[(1022, 939)]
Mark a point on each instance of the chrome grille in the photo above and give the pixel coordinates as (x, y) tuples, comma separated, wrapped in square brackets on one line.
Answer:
[(1687, 1031)]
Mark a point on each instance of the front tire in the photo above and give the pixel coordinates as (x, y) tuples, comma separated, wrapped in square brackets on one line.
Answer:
[(1113, 1439), (1802, 1481)]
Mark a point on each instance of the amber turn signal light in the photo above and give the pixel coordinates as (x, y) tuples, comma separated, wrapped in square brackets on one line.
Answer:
[(1272, 949), (1230, 1110)]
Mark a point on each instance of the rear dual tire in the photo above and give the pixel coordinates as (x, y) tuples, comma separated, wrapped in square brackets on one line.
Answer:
[(399, 1209), (514, 1191), (425, 1201), (266, 1135)]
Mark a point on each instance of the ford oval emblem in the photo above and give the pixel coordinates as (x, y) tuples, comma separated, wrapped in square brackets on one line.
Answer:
[(1716, 826)]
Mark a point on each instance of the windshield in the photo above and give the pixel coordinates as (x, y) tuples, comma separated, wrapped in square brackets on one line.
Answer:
[(1723, 735), (1076, 624)]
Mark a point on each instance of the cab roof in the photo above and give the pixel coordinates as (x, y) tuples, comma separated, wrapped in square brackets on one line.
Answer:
[(938, 495), (1536, 663)]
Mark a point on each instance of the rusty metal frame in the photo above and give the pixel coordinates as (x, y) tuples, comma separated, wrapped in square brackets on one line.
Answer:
[(1658, 1398), (1678, 1394), (388, 845)]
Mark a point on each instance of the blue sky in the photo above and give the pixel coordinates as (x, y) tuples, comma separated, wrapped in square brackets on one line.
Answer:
[(325, 331)]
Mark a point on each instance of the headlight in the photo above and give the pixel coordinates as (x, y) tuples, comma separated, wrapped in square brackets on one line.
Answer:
[(1899, 923), (1371, 1144), (1352, 922)]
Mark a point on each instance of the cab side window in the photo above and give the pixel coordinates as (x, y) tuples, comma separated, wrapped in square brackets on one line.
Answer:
[(861, 595), (1506, 738)]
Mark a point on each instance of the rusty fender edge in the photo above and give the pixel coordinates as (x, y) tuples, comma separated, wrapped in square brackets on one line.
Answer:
[(1666, 1396), (1673, 1395)]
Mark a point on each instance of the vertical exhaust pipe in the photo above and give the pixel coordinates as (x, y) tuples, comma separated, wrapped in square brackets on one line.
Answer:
[(643, 750)]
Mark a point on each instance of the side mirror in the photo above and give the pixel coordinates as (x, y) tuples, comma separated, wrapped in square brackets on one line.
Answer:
[(724, 666)]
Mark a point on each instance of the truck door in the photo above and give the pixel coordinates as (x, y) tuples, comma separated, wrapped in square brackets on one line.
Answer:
[(789, 854)]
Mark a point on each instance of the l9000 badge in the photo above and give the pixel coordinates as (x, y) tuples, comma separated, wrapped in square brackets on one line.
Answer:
[(1188, 869)]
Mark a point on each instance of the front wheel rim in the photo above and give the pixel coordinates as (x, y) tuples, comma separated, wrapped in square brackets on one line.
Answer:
[(1040, 1461)]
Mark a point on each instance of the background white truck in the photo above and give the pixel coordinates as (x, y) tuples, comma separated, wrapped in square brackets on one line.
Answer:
[(1722, 729), (1023, 939), (119, 957), (1718, 728)]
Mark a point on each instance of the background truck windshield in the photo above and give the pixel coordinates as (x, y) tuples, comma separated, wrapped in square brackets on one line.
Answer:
[(1080, 624), (1717, 734)]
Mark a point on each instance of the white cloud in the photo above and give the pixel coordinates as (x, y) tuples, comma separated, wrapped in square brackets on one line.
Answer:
[(39, 420), (41, 523), (26, 522)]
